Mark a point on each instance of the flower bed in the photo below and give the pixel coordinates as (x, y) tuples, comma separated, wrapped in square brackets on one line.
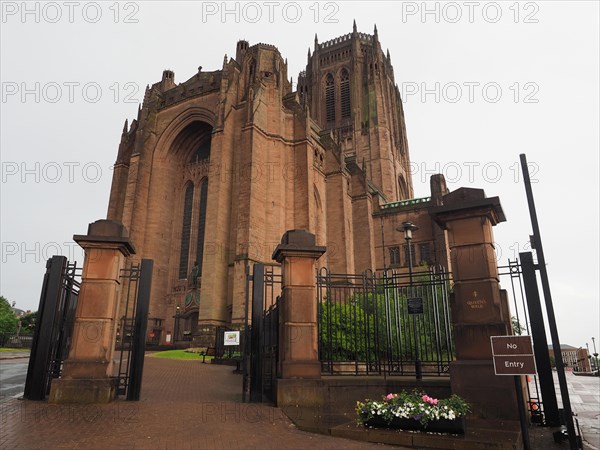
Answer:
[(414, 411)]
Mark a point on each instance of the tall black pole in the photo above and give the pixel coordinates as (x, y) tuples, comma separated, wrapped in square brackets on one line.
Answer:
[(537, 244), (246, 341), (176, 327), (540, 343), (418, 368), (383, 245)]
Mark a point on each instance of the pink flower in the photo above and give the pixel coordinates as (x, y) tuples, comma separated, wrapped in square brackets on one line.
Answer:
[(430, 400), (389, 396)]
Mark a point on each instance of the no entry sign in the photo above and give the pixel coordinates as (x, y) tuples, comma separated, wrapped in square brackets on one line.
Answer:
[(513, 355)]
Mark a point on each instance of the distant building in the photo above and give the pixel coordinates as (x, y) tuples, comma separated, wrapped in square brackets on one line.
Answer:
[(575, 358), (583, 360), (18, 312)]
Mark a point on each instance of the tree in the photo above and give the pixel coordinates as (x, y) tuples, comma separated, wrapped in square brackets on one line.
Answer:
[(28, 322), (517, 327), (8, 319)]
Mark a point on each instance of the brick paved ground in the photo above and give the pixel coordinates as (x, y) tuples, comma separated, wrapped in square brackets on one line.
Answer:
[(584, 394), (184, 405), (190, 405)]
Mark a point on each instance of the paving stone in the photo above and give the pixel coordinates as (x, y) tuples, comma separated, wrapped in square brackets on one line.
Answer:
[(184, 405)]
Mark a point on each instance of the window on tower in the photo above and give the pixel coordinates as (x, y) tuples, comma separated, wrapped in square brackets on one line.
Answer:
[(345, 93), (394, 256), (425, 253), (329, 99), (251, 72)]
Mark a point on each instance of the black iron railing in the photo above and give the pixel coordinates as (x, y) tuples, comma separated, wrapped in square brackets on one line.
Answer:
[(372, 323)]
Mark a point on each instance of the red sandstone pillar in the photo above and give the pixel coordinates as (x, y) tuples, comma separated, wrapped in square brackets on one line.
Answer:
[(88, 372), (298, 336), (479, 310)]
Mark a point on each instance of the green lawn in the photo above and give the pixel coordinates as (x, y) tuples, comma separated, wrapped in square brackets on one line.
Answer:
[(179, 354), (7, 350)]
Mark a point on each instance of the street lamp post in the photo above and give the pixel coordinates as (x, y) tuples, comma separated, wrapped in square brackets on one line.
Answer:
[(589, 357), (408, 228), (595, 354), (176, 327)]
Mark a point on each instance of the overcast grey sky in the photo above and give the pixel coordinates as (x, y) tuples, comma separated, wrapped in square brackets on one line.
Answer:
[(481, 82)]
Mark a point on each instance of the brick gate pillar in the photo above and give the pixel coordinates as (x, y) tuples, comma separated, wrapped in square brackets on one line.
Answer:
[(88, 375), (298, 329), (479, 307)]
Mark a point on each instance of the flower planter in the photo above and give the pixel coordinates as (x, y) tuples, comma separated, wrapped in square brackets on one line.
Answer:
[(456, 426), (415, 411)]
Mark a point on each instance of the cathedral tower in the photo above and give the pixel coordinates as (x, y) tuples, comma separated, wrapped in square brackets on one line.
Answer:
[(350, 88)]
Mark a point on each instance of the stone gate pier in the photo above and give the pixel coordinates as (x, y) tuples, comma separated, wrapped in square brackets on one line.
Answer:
[(88, 372), (479, 307)]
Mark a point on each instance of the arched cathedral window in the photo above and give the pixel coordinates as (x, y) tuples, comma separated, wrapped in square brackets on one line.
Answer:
[(345, 94), (329, 99), (201, 223), (251, 73), (186, 229)]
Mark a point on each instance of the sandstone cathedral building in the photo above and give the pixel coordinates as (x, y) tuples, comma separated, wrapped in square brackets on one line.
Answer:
[(214, 170)]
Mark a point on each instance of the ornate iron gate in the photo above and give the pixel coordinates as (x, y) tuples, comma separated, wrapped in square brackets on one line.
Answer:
[(52, 335), (260, 362), (131, 346), (384, 324), (528, 319)]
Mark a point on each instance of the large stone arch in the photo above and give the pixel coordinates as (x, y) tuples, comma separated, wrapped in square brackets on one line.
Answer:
[(181, 129), (171, 171)]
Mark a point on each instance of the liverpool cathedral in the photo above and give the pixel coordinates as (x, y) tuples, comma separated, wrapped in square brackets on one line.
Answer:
[(215, 169)]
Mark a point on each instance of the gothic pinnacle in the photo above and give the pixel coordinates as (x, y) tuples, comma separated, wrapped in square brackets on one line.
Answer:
[(354, 26), (126, 126)]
